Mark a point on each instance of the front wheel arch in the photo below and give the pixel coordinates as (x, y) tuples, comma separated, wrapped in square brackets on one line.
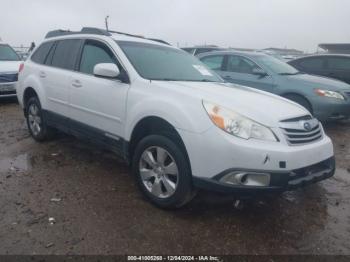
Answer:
[(154, 125)]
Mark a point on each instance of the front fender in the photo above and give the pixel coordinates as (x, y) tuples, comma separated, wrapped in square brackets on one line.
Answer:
[(186, 116)]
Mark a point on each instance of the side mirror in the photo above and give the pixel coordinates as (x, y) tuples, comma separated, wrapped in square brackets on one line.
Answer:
[(108, 70), (259, 72)]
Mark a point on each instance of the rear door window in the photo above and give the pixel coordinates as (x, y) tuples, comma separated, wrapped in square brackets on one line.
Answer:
[(41, 53), (240, 64), (339, 63), (66, 54), (214, 62), (312, 63)]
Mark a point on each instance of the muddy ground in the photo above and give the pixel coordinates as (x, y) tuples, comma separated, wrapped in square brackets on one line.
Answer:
[(67, 197)]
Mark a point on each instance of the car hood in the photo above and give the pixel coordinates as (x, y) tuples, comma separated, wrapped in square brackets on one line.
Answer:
[(319, 82), (263, 107), (9, 66)]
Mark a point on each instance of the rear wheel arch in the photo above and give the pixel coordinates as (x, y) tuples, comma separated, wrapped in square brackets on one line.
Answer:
[(28, 93)]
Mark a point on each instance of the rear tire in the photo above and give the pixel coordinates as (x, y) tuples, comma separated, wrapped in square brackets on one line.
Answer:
[(36, 121), (300, 100), (162, 172)]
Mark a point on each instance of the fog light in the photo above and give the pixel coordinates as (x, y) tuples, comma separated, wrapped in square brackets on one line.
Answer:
[(244, 178)]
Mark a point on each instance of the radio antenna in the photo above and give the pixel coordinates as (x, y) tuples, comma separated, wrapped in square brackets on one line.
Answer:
[(106, 22)]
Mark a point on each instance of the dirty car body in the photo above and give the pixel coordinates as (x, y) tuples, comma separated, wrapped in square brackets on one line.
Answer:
[(179, 124)]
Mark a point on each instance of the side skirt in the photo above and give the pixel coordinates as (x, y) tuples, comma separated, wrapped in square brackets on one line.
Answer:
[(88, 133)]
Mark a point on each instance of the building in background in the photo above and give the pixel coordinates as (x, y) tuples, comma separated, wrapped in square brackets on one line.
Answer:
[(336, 48), (284, 53)]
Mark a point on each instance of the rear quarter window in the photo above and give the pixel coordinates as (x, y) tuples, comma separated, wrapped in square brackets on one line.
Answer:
[(41, 53)]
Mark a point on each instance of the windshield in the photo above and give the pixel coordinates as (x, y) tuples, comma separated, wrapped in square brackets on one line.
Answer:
[(277, 66), (156, 62), (8, 54)]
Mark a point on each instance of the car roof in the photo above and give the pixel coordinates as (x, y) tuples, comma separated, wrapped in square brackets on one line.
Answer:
[(322, 55), (233, 52), (202, 46)]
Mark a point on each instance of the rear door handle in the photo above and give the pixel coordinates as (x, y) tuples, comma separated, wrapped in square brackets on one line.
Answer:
[(76, 83), (42, 74)]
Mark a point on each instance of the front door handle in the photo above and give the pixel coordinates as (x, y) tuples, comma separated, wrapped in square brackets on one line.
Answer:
[(42, 74), (76, 83)]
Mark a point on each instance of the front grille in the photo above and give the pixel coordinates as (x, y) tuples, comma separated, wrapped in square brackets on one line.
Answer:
[(8, 78), (296, 119), (296, 134)]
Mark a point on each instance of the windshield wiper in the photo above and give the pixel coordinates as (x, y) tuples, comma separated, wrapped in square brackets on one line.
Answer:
[(207, 80), (165, 79)]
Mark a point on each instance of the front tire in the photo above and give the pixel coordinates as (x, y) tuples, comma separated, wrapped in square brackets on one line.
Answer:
[(36, 121), (162, 172)]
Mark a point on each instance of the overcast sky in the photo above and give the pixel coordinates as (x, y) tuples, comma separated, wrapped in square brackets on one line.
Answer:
[(301, 24)]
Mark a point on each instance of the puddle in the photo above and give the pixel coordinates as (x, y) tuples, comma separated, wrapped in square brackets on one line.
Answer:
[(17, 164)]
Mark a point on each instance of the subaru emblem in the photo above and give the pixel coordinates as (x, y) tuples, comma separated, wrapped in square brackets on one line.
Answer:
[(307, 126)]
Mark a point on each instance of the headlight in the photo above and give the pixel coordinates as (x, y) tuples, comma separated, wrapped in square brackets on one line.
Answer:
[(236, 124), (329, 93)]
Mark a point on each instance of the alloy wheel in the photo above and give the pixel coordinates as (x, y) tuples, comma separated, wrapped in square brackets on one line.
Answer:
[(159, 172), (34, 119)]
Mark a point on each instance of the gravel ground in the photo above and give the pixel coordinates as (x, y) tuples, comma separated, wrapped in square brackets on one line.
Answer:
[(67, 197)]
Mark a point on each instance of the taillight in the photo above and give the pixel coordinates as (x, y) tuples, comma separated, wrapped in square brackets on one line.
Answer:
[(21, 67)]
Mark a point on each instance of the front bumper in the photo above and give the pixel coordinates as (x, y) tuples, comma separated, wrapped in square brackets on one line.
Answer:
[(328, 110), (280, 181), (215, 151), (8, 89)]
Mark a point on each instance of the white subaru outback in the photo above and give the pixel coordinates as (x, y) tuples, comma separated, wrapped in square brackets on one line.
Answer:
[(178, 124)]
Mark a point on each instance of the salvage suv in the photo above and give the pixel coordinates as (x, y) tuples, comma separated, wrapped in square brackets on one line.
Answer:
[(178, 124)]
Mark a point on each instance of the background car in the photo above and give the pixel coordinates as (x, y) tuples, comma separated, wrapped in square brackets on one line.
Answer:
[(327, 99), (201, 49), (9, 66), (334, 66)]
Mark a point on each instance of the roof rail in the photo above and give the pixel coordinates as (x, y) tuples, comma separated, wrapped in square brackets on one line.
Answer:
[(96, 31), (127, 34), (140, 36), (84, 30)]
